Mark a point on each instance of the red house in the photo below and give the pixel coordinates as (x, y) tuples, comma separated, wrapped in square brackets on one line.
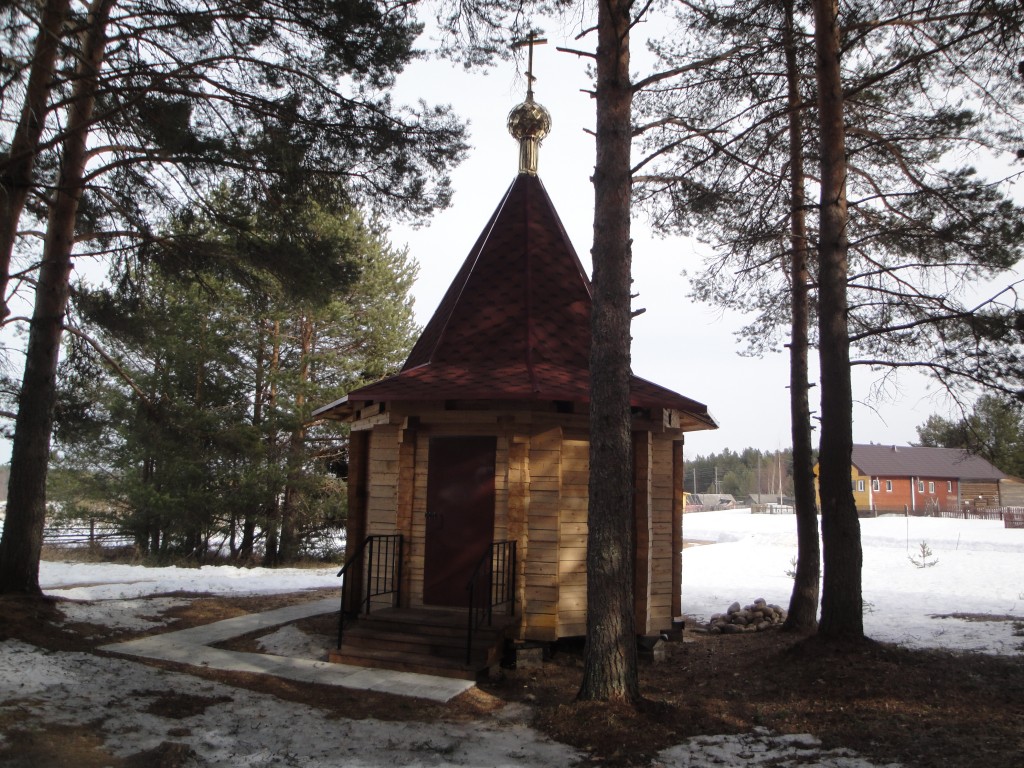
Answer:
[(921, 480)]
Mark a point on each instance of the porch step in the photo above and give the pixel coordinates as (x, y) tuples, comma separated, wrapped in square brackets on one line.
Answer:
[(421, 640)]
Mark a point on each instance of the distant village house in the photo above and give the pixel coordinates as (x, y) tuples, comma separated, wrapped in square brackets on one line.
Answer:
[(922, 480)]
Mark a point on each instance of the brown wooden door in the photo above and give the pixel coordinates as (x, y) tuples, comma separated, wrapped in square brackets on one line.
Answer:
[(460, 515)]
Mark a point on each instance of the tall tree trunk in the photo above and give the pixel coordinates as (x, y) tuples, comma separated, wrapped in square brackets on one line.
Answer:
[(149, 538), (610, 665), (803, 602), (245, 549), (288, 548), (16, 172), (248, 538), (841, 605), (288, 544), (22, 540), (271, 516), (272, 508)]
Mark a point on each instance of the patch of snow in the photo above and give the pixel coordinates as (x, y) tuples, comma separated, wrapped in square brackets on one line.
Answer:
[(136, 615), (978, 571), (242, 727), (760, 748), (106, 581), (291, 641)]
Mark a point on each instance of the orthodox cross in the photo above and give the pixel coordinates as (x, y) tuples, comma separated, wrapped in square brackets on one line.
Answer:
[(530, 40)]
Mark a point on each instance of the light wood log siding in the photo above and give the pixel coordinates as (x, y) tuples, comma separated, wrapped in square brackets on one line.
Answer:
[(1011, 492), (415, 544), (518, 480), (541, 477), (406, 500), (572, 543), (643, 531), (382, 498), (987, 490), (665, 532)]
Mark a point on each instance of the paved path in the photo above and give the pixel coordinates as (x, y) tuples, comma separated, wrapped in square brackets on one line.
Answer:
[(193, 647)]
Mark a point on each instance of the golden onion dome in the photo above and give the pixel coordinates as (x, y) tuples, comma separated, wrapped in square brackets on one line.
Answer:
[(529, 123), (529, 120)]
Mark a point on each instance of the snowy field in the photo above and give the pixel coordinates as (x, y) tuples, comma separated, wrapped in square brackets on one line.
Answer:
[(978, 569)]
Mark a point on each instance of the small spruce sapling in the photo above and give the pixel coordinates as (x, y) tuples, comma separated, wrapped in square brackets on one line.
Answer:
[(926, 558)]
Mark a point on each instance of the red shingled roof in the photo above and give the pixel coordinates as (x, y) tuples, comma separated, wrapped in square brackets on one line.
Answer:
[(515, 322)]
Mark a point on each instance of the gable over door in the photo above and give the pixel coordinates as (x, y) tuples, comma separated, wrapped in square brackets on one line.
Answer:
[(460, 515)]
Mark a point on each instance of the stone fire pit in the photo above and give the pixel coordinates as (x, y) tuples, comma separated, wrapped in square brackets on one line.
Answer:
[(756, 617)]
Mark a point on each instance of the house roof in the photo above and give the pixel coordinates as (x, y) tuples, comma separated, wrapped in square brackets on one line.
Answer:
[(770, 498), (515, 322), (917, 461)]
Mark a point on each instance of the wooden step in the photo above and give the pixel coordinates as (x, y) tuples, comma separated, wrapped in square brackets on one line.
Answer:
[(449, 646), (420, 640)]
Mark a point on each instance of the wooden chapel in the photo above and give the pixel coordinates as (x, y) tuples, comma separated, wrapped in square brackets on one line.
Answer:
[(475, 455)]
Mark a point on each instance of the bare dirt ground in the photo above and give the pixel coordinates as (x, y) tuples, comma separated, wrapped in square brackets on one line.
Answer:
[(888, 704)]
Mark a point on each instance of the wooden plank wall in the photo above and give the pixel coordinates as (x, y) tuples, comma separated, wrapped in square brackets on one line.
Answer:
[(541, 571), (406, 498), (541, 480), (643, 530), (572, 536), (382, 498), (383, 486), (664, 579), (518, 483), (970, 490), (419, 520)]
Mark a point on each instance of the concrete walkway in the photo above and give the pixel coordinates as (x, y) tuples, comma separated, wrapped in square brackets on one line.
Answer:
[(193, 647)]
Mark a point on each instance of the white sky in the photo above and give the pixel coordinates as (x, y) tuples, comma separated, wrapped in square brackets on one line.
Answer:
[(688, 347), (685, 346)]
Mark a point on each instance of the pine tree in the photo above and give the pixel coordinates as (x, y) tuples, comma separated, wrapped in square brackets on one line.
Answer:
[(208, 386), (719, 163), (841, 608), (610, 665), (994, 430), (165, 100)]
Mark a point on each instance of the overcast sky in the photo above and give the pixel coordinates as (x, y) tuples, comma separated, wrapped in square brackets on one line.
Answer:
[(688, 347)]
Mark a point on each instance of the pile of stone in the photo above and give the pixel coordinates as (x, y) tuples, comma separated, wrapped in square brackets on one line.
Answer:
[(756, 617)]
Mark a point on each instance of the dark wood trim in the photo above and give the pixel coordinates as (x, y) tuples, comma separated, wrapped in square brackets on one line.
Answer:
[(358, 498), (678, 505)]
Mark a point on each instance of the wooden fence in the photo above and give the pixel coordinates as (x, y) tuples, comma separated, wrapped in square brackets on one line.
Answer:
[(85, 533), (1012, 517)]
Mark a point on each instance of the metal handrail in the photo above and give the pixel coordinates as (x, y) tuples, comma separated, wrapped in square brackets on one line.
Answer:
[(500, 577), (382, 574)]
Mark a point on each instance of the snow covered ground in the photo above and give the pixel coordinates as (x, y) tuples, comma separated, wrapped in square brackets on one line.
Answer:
[(978, 569)]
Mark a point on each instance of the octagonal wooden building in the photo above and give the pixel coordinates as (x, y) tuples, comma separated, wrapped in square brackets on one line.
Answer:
[(469, 468)]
